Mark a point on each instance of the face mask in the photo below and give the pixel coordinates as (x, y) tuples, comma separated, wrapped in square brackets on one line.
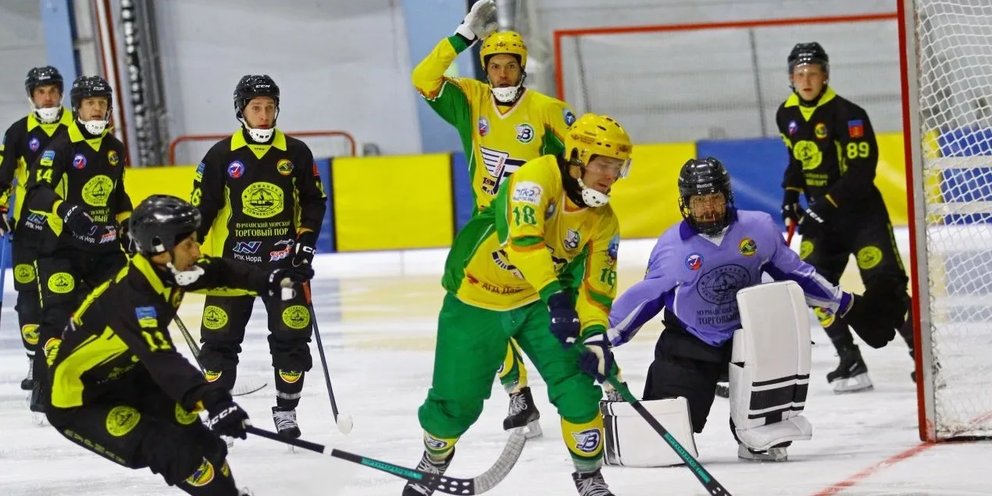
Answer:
[(593, 198), (186, 277), (95, 127), (47, 115), (506, 95)]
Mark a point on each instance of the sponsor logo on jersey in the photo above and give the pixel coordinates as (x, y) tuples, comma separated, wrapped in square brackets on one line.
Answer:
[(277, 255), (748, 247), (572, 239), (613, 249), (147, 317), (203, 475), (97, 190), (290, 376), (856, 128), (284, 166), (121, 420), (47, 158), (503, 262), (820, 131), (296, 317), (247, 247), (720, 285), (793, 128), (694, 261), (214, 317), (483, 126), (807, 153), (525, 133), (499, 165), (587, 441), (79, 161), (198, 175), (33, 144), (527, 192), (235, 169), (569, 116), (113, 158), (262, 200)]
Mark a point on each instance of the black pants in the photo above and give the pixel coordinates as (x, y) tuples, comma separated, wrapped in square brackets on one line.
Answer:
[(142, 427), (28, 306), (686, 366), (65, 277), (223, 330), (868, 236)]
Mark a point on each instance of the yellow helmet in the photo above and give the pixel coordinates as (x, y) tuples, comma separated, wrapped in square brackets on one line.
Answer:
[(595, 134), (504, 42)]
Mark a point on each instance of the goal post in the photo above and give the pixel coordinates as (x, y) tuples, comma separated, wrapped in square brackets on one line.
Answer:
[(946, 66)]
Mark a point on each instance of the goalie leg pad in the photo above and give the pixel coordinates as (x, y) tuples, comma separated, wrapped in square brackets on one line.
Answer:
[(770, 364), (632, 442)]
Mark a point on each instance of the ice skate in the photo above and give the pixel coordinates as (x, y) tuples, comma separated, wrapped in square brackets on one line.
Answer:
[(285, 420), (28, 382), (427, 465), (851, 374), (773, 454), (591, 483), (523, 413)]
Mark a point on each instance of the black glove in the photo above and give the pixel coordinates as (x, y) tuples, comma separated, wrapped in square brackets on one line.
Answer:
[(303, 250), (869, 319), (289, 276), (76, 219), (227, 418), (564, 319), (815, 216), (596, 358), (130, 247), (4, 221), (791, 211)]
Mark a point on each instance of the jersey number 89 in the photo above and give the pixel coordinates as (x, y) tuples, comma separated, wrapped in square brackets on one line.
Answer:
[(858, 150)]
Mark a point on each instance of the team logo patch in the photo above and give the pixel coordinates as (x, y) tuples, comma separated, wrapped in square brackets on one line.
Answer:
[(212, 375), (436, 443), (121, 420), (214, 317), (569, 117), (296, 317), (283, 253), (235, 169), (527, 192), (824, 316), (113, 158), (262, 200), (198, 175), (34, 144), (856, 128), (805, 249), (285, 167), (147, 317), (183, 417), (79, 161), (290, 376), (483, 126), (869, 257), (24, 273), (29, 333), (47, 158), (720, 285), (525, 133), (499, 165), (97, 190), (203, 475), (793, 128), (61, 283), (572, 239), (587, 441), (694, 261), (748, 247), (51, 350), (820, 131), (613, 249), (807, 153)]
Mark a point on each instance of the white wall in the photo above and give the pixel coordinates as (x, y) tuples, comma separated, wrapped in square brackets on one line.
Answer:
[(22, 46), (339, 65)]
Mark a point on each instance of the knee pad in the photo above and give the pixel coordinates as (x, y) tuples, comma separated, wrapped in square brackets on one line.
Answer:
[(770, 364), (632, 442)]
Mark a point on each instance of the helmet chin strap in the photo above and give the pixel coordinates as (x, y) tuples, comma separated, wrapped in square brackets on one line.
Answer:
[(94, 127), (508, 95), (46, 115), (591, 197), (259, 135), (185, 277)]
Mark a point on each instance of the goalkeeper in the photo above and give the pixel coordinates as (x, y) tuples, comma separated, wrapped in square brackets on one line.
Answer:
[(832, 159)]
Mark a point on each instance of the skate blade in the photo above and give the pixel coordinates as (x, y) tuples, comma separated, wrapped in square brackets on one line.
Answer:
[(855, 384)]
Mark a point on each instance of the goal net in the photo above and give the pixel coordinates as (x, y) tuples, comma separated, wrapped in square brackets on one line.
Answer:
[(947, 99)]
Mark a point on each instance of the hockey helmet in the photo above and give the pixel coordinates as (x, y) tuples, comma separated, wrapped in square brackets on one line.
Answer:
[(160, 222), (703, 177), (808, 53)]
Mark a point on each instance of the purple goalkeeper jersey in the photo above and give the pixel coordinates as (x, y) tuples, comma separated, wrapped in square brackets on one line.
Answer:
[(697, 279)]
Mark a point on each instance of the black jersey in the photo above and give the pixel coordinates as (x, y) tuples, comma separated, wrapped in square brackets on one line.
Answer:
[(122, 327), (21, 145), (256, 198), (832, 151), (81, 170)]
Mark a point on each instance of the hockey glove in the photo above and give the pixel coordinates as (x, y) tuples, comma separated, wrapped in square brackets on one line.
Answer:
[(4, 221), (227, 418), (791, 211), (564, 319), (284, 278), (815, 216), (596, 358), (76, 219), (480, 21), (303, 250), (873, 318)]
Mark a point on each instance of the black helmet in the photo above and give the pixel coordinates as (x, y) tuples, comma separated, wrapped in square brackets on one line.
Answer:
[(40, 76), (162, 221), (806, 53), (702, 177), (251, 86), (88, 87)]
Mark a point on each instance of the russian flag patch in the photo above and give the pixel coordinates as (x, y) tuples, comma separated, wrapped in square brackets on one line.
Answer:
[(856, 128)]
